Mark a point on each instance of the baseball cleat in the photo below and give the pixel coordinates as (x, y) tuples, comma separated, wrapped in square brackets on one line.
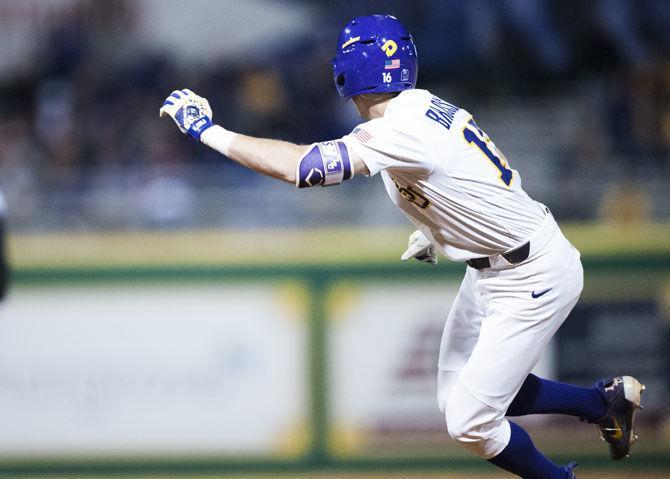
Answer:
[(622, 396)]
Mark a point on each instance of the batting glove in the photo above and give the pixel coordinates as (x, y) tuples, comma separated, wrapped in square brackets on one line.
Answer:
[(190, 112), (420, 247)]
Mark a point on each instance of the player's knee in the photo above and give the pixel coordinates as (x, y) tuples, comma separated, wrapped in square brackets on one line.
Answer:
[(479, 428), (457, 427), (485, 438), (462, 427)]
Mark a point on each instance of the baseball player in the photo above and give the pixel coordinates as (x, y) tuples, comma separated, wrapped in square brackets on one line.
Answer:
[(452, 182)]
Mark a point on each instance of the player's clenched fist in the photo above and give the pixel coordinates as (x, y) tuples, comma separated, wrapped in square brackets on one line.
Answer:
[(190, 112)]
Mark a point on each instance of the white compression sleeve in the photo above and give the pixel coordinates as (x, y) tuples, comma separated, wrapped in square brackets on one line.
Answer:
[(218, 138)]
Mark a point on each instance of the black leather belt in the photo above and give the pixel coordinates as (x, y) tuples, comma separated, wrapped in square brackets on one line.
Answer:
[(513, 257)]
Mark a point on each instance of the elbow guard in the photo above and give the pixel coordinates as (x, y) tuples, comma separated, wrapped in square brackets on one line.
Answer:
[(326, 163)]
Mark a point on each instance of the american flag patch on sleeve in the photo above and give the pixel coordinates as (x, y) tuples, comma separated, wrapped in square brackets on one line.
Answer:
[(362, 135)]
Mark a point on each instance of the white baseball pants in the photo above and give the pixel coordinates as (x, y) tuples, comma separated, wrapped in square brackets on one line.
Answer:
[(495, 333)]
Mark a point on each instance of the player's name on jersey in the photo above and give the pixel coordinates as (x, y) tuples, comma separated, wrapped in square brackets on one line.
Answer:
[(443, 112)]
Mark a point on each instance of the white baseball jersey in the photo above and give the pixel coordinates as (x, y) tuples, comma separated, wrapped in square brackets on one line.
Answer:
[(447, 176)]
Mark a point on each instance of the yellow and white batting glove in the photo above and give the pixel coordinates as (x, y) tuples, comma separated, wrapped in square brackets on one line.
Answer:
[(190, 112), (419, 247)]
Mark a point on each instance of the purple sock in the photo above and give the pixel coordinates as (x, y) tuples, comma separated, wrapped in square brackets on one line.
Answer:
[(521, 458), (541, 396)]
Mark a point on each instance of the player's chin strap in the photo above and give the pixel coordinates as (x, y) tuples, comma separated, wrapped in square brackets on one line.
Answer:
[(326, 163)]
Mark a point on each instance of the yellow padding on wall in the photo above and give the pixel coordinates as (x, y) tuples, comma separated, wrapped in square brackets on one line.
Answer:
[(263, 247)]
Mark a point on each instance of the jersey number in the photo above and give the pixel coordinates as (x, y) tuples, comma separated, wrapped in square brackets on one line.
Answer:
[(473, 135)]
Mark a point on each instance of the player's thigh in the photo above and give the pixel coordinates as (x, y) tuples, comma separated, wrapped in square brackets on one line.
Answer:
[(446, 380), (459, 337), (518, 326), (461, 329)]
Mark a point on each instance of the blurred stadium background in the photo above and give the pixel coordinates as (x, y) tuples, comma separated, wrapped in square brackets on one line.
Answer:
[(171, 314)]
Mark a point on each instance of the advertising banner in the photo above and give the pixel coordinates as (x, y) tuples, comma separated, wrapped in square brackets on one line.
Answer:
[(154, 369)]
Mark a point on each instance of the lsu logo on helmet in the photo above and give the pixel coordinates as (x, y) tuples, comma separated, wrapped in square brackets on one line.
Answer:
[(390, 47)]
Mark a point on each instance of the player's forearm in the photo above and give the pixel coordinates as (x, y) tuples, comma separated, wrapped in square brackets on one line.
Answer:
[(274, 158)]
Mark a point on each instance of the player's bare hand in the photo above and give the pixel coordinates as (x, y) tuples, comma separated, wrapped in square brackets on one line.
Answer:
[(190, 112), (419, 247)]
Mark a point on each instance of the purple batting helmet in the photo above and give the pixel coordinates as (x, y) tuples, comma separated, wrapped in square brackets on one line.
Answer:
[(375, 54)]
